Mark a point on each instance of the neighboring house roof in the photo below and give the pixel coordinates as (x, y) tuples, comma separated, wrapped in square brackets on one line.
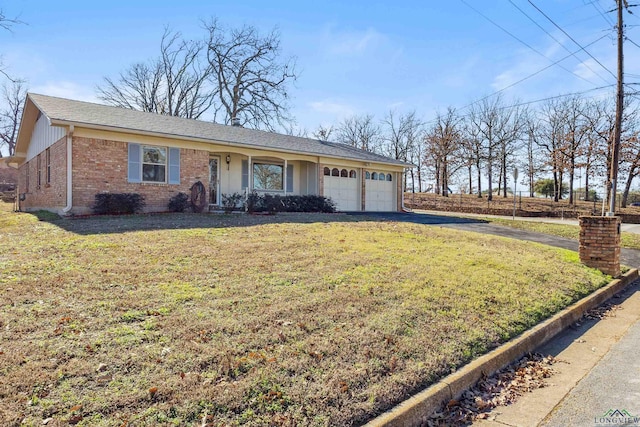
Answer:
[(61, 111)]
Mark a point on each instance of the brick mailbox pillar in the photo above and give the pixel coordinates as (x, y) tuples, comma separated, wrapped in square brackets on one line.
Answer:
[(600, 243)]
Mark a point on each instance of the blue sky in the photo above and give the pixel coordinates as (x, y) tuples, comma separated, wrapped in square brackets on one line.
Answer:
[(354, 57)]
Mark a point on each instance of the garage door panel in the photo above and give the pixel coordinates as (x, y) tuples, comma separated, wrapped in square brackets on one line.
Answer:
[(380, 195), (343, 191)]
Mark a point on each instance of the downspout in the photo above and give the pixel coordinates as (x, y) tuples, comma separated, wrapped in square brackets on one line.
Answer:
[(67, 208)]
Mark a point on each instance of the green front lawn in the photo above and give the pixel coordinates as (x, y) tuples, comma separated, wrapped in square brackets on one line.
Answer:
[(183, 319)]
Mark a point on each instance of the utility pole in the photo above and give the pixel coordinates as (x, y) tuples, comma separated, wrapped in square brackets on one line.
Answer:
[(619, 105)]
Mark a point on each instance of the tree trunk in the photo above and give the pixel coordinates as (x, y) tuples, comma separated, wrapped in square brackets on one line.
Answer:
[(489, 173), (445, 182), (504, 176), (627, 186), (437, 177), (586, 184), (479, 180)]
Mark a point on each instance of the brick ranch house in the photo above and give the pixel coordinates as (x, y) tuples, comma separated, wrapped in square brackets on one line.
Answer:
[(68, 151)]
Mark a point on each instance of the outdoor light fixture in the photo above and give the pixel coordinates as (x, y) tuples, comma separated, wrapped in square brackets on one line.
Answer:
[(228, 159)]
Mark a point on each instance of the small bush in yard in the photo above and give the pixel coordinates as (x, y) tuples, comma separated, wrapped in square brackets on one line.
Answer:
[(118, 203), (232, 201), (276, 203), (179, 203)]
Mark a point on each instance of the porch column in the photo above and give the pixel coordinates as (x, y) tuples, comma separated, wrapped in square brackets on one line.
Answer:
[(250, 174), (363, 189), (320, 179), (284, 176)]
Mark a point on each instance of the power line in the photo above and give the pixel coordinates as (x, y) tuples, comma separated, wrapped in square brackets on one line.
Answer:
[(632, 42), (557, 41), (535, 101), (527, 77), (560, 96), (596, 4), (572, 39), (525, 43)]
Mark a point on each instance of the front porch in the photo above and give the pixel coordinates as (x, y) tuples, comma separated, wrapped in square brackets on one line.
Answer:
[(237, 173)]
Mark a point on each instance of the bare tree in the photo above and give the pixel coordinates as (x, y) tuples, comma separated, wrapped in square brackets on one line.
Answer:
[(444, 142), (473, 152), (402, 133), (360, 132), (630, 145), (175, 84), (251, 79), (533, 165), (13, 97), (7, 24), (496, 126), (323, 133), (550, 136), (600, 117)]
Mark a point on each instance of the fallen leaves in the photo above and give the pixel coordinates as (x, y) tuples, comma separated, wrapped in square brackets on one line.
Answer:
[(501, 389)]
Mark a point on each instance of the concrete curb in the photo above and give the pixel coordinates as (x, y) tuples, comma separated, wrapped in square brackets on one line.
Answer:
[(415, 410)]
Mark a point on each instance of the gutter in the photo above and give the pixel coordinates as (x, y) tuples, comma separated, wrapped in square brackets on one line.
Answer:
[(245, 145), (67, 208)]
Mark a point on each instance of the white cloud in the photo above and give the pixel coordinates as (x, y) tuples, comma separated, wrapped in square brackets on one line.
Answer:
[(351, 42), (591, 70), (65, 89), (395, 105), (333, 108)]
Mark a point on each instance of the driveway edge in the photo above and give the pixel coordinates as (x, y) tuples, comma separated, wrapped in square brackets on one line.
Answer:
[(415, 410)]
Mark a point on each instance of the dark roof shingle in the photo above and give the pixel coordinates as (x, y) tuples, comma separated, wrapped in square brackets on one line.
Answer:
[(90, 114)]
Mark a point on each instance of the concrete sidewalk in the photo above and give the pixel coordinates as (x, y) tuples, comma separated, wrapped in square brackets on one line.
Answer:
[(597, 374)]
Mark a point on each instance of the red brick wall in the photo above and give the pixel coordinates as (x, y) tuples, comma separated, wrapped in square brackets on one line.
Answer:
[(600, 243), (49, 195), (101, 166)]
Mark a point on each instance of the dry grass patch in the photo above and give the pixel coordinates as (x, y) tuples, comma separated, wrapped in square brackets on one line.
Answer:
[(242, 320)]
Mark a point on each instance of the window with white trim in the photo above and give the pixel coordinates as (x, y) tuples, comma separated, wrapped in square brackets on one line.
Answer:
[(48, 165), (38, 172), (268, 176), (153, 164)]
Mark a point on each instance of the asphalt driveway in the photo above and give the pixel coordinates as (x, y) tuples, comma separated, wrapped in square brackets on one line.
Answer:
[(628, 257)]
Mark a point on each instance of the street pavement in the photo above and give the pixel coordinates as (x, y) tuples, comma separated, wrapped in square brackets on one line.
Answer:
[(597, 379)]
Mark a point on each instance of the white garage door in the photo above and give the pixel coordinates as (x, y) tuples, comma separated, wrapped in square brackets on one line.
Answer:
[(380, 192), (341, 185)]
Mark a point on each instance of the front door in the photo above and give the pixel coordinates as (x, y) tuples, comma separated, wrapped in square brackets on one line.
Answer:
[(214, 180)]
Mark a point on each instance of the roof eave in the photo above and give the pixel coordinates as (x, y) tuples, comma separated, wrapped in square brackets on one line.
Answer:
[(65, 122)]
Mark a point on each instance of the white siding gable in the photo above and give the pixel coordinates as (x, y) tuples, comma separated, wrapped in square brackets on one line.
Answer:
[(43, 136)]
